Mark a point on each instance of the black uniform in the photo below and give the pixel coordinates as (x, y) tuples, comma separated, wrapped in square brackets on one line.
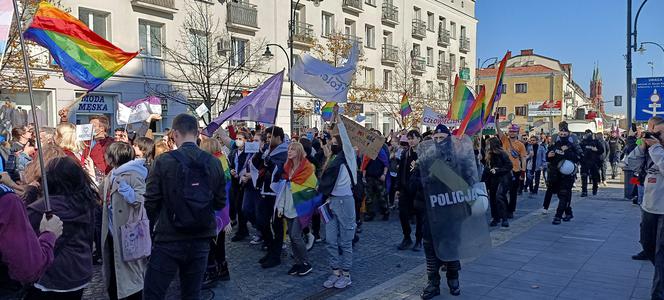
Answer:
[(591, 165), (407, 198), (498, 184), (560, 183)]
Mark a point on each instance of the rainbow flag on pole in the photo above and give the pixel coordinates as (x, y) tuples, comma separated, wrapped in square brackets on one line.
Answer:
[(328, 111), (86, 59), (491, 101), (472, 121), (405, 106), (462, 100)]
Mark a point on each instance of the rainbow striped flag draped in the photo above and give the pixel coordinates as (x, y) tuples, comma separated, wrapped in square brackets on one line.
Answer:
[(405, 106), (328, 111), (472, 121), (491, 101), (462, 100), (86, 59), (222, 216), (306, 199)]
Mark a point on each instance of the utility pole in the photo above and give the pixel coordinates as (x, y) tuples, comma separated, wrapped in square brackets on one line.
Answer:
[(628, 66)]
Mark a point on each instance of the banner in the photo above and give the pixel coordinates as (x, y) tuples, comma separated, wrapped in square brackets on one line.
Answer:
[(138, 110), (367, 142), (431, 118)]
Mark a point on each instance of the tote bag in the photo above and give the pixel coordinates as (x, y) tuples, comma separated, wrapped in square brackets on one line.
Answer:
[(136, 243)]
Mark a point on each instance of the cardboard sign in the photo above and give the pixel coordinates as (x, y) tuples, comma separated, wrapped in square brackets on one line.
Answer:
[(431, 118), (251, 147), (367, 142), (201, 110), (84, 132)]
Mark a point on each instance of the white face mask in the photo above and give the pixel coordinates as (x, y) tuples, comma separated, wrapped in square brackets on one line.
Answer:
[(239, 143)]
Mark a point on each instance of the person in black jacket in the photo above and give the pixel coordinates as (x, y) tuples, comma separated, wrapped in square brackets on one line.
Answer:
[(561, 179), (406, 197), (604, 157), (591, 165), (498, 180), (175, 251), (238, 161)]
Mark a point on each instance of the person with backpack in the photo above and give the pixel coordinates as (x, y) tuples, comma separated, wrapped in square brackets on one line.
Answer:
[(184, 189)]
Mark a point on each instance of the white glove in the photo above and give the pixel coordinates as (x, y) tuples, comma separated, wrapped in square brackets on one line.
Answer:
[(53, 225)]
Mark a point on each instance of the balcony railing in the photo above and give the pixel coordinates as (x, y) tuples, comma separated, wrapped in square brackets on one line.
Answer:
[(390, 54), (353, 39), (419, 64), (167, 6), (443, 71), (464, 44), (443, 37), (303, 33), (390, 14), (419, 28), (153, 67), (242, 15), (353, 5)]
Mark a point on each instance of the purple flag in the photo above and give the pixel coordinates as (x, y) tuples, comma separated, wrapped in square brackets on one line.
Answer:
[(259, 106)]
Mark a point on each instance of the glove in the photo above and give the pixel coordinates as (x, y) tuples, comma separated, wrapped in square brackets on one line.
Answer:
[(53, 225)]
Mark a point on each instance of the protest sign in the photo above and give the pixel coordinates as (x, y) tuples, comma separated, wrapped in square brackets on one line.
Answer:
[(431, 118), (201, 110), (251, 147), (84, 132), (367, 142)]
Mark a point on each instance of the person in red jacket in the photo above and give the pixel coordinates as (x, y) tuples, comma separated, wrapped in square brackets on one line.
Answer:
[(96, 148)]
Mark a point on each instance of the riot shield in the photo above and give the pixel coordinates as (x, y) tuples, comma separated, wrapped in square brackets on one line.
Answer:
[(452, 192)]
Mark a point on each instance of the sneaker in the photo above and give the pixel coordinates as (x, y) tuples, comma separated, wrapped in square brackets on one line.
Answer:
[(405, 244), (309, 240), (493, 223), (568, 218), (545, 211), (343, 281), (304, 269), (332, 280), (604, 183), (256, 240), (556, 221), (295, 269), (505, 224)]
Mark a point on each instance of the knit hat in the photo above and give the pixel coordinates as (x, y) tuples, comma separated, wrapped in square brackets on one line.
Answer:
[(514, 128), (563, 126), (442, 129)]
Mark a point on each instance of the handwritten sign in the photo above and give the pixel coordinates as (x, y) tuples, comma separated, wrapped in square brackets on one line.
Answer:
[(84, 132), (432, 119), (367, 142), (251, 147)]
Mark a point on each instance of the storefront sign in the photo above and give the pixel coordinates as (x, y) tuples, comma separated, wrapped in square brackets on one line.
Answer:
[(96, 104), (544, 109)]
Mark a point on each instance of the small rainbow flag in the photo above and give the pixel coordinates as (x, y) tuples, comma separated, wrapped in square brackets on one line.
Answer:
[(491, 101), (328, 111), (462, 100), (405, 106), (472, 121), (86, 59)]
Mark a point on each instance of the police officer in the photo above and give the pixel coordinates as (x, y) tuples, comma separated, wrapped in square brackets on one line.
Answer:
[(562, 158), (591, 164)]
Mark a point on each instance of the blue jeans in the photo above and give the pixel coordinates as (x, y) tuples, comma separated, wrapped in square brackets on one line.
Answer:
[(189, 258), (339, 232)]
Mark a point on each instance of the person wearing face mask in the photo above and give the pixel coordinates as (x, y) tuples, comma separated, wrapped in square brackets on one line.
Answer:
[(562, 157), (238, 161), (591, 163)]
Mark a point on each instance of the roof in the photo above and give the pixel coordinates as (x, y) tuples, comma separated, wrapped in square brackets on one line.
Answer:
[(534, 69)]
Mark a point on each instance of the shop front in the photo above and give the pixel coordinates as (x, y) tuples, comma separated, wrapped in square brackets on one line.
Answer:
[(94, 104), (15, 109)]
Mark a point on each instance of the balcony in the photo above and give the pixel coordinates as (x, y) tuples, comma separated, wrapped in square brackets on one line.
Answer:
[(352, 6), (242, 16), (419, 64), (444, 70), (419, 29), (303, 34), (390, 14), (390, 54), (164, 6), (443, 37), (464, 44)]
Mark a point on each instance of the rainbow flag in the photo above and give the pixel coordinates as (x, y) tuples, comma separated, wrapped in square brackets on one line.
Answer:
[(405, 106), (328, 111), (490, 102), (472, 121), (462, 100), (86, 59), (306, 198), (222, 216)]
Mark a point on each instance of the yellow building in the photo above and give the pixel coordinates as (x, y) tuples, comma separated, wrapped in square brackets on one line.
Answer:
[(537, 91)]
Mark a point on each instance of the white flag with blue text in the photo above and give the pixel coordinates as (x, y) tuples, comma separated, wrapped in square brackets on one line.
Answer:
[(323, 80)]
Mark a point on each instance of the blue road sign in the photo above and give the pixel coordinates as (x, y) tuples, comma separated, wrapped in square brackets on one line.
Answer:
[(648, 98)]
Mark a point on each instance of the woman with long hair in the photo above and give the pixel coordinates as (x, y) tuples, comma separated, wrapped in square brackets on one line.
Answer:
[(73, 197), (497, 177), (144, 148), (122, 191)]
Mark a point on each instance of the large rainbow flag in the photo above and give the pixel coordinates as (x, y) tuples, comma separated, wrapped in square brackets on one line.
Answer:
[(462, 100), (405, 106), (472, 121), (306, 198), (490, 102), (86, 59)]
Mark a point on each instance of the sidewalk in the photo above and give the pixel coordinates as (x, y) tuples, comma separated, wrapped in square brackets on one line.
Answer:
[(587, 258)]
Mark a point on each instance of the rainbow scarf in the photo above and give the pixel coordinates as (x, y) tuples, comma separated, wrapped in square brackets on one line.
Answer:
[(472, 121), (462, 100), (328, 110), (490, 102), (306, 198), (86, 59), (405, 106), (222, 216)]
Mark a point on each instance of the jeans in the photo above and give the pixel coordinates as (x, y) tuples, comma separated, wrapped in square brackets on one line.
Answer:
[(271, 227), (297, 242), (563, 187), (498, 199), (533, 180), (187, 258), (339, 232)]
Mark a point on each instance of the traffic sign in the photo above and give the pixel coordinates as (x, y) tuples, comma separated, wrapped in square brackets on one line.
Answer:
[(648, 98)]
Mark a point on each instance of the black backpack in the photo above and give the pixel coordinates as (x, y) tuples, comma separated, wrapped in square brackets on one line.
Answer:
[(192, 210)]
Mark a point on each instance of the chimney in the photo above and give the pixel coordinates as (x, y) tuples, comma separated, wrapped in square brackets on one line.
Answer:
[(567, 68), (527, 52)]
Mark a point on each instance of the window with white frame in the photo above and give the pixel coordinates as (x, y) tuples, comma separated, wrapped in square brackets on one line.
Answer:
[(327, 24), (370, 36), (521, 88), (452, 61), (429, 56), (430, 92), (150, 36), (431, 20), (239, 49), (97, 21), (369, 77), (453, 32), (521, 110), (416, 88), (501, 111), (504, 90), (387, 80), (370, 2), (199, 45)]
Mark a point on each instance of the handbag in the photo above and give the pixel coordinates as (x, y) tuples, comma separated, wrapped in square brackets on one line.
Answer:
[(481, 203), (136, 243)]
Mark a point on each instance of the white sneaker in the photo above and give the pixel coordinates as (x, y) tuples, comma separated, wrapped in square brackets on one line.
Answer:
[(332, 280), (256, 240), (545, 211), (309, 239), (343, 281)]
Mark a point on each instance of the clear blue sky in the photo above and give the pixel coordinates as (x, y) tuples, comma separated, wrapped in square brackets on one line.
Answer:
[(580, 32)]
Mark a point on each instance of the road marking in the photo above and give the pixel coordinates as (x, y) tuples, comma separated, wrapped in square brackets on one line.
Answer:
[(582, 238)]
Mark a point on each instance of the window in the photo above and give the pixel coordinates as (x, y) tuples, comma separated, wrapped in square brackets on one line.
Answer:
[(95, 20), (463, 32), (521, 110), (452, 61), (150, 37), (502, 111), (431, 20), (370, 2), (417, 13), (199, 45), (369, 77), (521, 88), (369, 121), (327, 24), (442, 23), (462, 62), (387, 80), (416, 50), (349, 27), (387, 38), (441, 56), (453, 30), (416, 87), (239, 51), (430, 93), (370, 36), (504, 91), (441, 90), (429, 57)]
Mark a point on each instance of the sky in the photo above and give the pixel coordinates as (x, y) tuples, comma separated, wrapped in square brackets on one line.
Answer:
[(580, 32)]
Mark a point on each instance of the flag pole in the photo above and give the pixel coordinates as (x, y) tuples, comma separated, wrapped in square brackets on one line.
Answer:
[(33, 109)]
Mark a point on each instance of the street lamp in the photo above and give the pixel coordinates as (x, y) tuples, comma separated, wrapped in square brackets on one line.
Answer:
[(643, 49), (652, 68), (631, 46)]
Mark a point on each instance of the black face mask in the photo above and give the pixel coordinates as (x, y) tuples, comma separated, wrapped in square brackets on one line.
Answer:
[(336, 149)]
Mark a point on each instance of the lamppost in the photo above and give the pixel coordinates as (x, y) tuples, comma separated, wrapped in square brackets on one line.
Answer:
[(652, 68), (479, 67), (631, 46), (643, 49)]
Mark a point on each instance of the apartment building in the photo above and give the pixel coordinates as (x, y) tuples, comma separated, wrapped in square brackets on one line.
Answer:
[(440, 36)]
